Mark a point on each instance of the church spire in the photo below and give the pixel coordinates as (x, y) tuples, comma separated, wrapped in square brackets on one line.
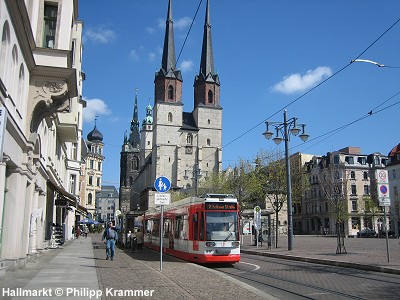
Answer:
[(206, 83), (168, 80), (134, 137), (207, 60)]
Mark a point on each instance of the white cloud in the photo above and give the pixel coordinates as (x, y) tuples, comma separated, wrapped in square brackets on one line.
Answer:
[(179, 24), (186, 66), (150, 30), (99, 34), (152, 56), (94, 107), (182, 23), (295, 83), (133, 55)]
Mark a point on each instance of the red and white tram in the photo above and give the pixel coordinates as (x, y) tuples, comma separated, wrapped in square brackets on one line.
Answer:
[(199, 229)]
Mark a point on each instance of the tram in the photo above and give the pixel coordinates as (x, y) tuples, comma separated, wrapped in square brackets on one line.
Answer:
[(201, 229)]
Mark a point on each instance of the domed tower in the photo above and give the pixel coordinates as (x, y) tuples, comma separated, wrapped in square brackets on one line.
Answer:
[(94, 168)]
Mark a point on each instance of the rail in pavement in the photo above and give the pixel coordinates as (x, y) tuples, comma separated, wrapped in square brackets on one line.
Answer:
[(362, 253)]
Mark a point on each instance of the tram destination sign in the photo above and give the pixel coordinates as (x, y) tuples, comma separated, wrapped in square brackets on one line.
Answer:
[(220, 206)]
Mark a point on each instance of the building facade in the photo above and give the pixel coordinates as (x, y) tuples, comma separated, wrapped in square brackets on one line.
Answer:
[(107, 203), (393, 168), (93, 169), (41, 124), (342, 187)]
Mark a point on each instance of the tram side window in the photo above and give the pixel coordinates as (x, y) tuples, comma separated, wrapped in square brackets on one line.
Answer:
[(167, 227), (195, 227), (201, 227), (156, 228), (180, 227)]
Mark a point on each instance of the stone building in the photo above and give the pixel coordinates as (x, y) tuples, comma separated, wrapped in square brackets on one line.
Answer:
[(40, 126), (393, 168), (345, 176), (93, 169)]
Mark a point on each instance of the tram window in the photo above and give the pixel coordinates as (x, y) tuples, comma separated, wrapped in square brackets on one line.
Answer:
[(156, 228), (180, 228), (222, 226), (195, 227), (201, 227), (167, 227)]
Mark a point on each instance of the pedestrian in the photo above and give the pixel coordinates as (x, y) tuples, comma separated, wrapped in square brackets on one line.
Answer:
[(78, 232), (85, 231), (139, 238), (128, 239), (109, 237)]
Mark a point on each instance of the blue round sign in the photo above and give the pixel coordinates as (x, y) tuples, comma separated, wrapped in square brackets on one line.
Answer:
[(383, 189), (162, 184)]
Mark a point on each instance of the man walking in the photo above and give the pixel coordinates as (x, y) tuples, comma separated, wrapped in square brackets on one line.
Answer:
[(110, 236)]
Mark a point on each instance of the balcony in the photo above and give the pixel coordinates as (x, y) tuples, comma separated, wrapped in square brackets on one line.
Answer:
[(67, 127)]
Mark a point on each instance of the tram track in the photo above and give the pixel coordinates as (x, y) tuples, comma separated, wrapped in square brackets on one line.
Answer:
[(294, 280)]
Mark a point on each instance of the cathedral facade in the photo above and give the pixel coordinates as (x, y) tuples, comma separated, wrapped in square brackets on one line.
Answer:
[(185, 147)]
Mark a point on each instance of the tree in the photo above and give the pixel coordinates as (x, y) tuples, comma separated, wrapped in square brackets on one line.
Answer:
[(333, 181)]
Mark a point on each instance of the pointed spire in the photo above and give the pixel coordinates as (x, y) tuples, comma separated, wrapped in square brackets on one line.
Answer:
[(134, 137), (207, 60), (135, 119), (169, 59)]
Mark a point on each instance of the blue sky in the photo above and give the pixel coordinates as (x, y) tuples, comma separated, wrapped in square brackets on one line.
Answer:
[(268, 55)]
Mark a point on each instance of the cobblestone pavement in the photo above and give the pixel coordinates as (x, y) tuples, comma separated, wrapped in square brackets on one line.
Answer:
[(140, 270)]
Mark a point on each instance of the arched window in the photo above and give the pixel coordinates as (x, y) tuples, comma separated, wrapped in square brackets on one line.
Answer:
[(21, 81), (14, 70), (189, 139), (130, 181), (210, 97), (208, 142), (90, 199), (352, 175), (170, 92), (169, 117), (5, 43)]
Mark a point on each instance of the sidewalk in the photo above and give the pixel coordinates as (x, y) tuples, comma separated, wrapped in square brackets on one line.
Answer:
[(362, 253), (79, 270)]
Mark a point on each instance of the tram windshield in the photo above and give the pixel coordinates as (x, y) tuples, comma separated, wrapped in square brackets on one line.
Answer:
[(222, 226)]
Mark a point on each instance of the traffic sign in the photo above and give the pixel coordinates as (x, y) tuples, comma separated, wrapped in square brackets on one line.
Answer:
[(162, 199), (383, 195), (382, 176), (162, 184)]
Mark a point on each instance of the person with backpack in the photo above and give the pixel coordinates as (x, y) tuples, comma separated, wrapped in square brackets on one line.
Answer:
[(109, 237)]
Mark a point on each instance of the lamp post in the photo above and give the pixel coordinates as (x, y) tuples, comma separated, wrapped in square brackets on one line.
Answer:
[(289, 126)]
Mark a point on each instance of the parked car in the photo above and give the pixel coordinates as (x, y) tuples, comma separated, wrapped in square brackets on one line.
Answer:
[(366, 233)]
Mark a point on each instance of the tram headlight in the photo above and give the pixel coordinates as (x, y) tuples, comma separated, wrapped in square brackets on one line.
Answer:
[(235, 244), (210, 244)]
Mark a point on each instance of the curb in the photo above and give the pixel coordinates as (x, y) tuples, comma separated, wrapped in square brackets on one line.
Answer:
[(326, 262)]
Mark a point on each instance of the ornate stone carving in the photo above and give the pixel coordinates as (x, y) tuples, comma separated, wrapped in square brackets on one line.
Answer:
[(50, 98)]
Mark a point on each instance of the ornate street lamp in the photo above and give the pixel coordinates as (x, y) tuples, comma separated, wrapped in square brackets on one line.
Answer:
[(287, 128)]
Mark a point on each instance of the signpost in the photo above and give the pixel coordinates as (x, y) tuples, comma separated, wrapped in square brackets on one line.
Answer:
[(382, 183), (162, 185)]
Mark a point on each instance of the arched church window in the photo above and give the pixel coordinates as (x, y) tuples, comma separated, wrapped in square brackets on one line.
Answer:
[(208, 142), (5, 44), (170, 92), (169, 117), (210, 97), (90, 198)]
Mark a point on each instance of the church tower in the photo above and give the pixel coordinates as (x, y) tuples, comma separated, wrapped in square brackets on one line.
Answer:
[(207, 110), (130, 160), (168, 109)]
